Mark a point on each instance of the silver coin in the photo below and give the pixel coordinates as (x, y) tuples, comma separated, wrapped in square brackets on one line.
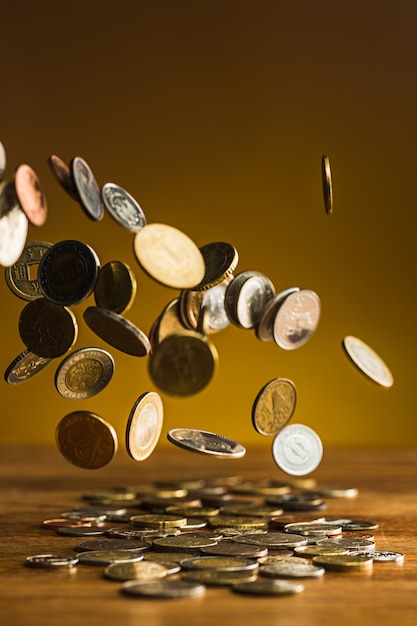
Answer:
[(123, 207), (368, 361), (84, 373), (25, 366), (348, 543), (144, 425), (220, 563), (246, 298), (205, 442), (81, 531), (13, 226), (297, 319), (87, 188), (267, 587), (21, 277), (380, 556), (264, 327), (63, 176), (105, 557), (297, 449), (163, 588), (214, 301), (51, 561), (291, 570), (2, 161)]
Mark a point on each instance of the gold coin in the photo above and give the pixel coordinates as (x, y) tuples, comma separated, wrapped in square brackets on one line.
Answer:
[(344, 562), (193, 511), (24, 366), (220, 261), (167, 323), (86, 439), (326, 177), (154, 520), (274, 406), (47, 329), (367, 361), (169, 256), (220, 563), (241, 522), (309, 552), (21, 277), (183, 363), (117, 331), (218, 577), (137, 570), (84, 373), (115, 288), (182, 543), (144, 425)]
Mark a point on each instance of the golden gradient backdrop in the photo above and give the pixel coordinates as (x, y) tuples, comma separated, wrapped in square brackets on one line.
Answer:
[(214, 115)]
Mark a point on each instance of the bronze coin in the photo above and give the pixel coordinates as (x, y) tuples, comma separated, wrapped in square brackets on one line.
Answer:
[(30, 195), (47, 329)]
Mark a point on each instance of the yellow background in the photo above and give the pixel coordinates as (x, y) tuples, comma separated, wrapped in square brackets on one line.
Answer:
[(214, 116)]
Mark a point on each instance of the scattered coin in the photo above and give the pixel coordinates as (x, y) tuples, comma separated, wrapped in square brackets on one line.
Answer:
[(205, 442), (220, 563), (63, 176), (87, 188), (246, 297), (21, 277), (219, 578), (344, 562), (347, 542), (137, 570), (380, 556), (167, 323), (24, 367), (326, 176), (309, 552), (297, 449), (47, 329), (163, 588), (291, 570), (155, 520), (13, 226), (51, 561), (84, 373), (274, 406), (224, 548), (367, 361), (115, 288), (266, 587), (106, 557), (30, 195), (311, 528), (272, 540), (80, 530), (122, 207), (117, 331), (130, 545), (144, 425), (184, 543), (297, 319)]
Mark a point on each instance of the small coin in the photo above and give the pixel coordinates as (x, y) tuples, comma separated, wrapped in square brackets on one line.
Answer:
[(163, 588), (246, 297), (297, 449), (60, 522), (169, 256), (380, 556), (281, 558), (335, 492), (80, 530), (274, 406), (266, 587), (166, 557), (13, 225), (87, 188), (326, 177), (21, 277), (265, 325), (137, 570), (205, 442), (84, 373), (68, 272), (296, 319), (298, 502), (311, 528), (220, 261), (51, 561), (367, 361), (243, 522), (86, 439), (47, 329), (63, 176), (106, 557), (122, 207), (167, 323), (344, 562), (2, 161), (144, 425), (291, 570), (115, 288), (355, 525), (260, 510), (25, 366), (30, 195), (117, 331)]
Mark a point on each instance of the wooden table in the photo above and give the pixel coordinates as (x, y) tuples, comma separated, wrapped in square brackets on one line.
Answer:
[(37, 483)]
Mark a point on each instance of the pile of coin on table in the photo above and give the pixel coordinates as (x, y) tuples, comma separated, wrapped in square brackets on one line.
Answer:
[(182, 358), (173, 539)]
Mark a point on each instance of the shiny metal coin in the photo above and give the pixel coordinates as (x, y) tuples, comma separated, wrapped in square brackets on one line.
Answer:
[(344, 563), (272, 540), (106, 557), (205, 442), (117, 331), (268, 587), (122, 207), (296, 319), (297, 449), (63, 176), (25, 366), (220, 261), (131, 545), (138, 570), (86, 439), (163, 588), (291, 570), (51, 561), (326, 177), (246, 298), (47, 329), (380, 556), (87, 188), (30, 195), (2, 161), (144, 425), (21, 277), (115, 288), (274, 406), (84, 373), (350, 543), (265, 325), (13, 226), (367, 361), (220, 563)]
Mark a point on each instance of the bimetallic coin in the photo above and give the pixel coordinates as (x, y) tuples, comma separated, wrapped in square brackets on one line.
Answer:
[(115, 288), (117, 331), (86, 440), (47, 329), (246, 297), (163, 588), (297, 449), (68, 272), (51, 561), (13, 226), (326, 177), (144, 425), (62, 174), (87, 188), (21, 277), (169, 256), (84, 373), (274, 406), (25, 366), (30, 195), (123, 208), (266, 321), (266, 587), (296, 319), (205, 442), (138, 570), (367, 361), (2, 161), (344, 562)]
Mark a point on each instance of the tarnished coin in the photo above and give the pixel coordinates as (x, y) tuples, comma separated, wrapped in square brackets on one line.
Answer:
[(122, 207), (21, 277), (206, 442), (144, 425), (158, 520), (13, 226), (2, 161), (311, 528), (267, 587), (367, 361), (138, 570), (51, 561), (86, 439), (354, 525), (63, 176), (291, 570), (87, 188), (344, 562), (183, 363), (117, 331), (30, 195), (246, 298), (47, 329), (169, 256), (84, 373), (214, 577), (380, 556), (280, 558), (115, 288), (297, 319), (106, 557), (265, 325), (164, 588), (80, 530), (274, 406), (238, 522), (68, 272), (25, 366), (297, 449), (326, 177)]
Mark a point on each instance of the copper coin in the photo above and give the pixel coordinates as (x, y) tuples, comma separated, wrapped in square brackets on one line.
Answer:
[(47, 329), (86, 439), (62, 174), (117, 331), (30, 195)]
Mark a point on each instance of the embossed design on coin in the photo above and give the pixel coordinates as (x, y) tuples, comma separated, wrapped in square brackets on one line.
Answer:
[(63, 176), (20, 277), (51, 560), (86, 439), (326, 177), (297, 319), (367, 361), (115, 288), (297, 449), (206, 442), (30, 195), (144, 425), (25, 366), (84, 373), (117, 331), (87, 188), (13, 225), (47, 329), (123, 207), (220, 261), (274, 406)]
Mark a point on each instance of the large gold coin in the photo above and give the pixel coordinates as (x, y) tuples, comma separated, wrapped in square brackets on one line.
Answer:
[(47, 329), (86, 439), (169, 256), (115, 288), (183, 363), (274, 406), (117, 331)]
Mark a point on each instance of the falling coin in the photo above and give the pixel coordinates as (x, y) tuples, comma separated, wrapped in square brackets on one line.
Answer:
[(326, 176), (63, 176), (123, 208), (86, 440), (117, 331), (2, 161), (47, 329), (367, 361), (297, 319), (21, 277), (13, 225), (115, 288), (274, 406), (206, 443), (25, 366), (144, 425), (87, 188), (84, 373), (220, 260), (297, 449), (30, 195)]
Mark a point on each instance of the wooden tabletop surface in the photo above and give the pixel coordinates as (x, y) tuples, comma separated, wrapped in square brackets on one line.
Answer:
[(38, 484)]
